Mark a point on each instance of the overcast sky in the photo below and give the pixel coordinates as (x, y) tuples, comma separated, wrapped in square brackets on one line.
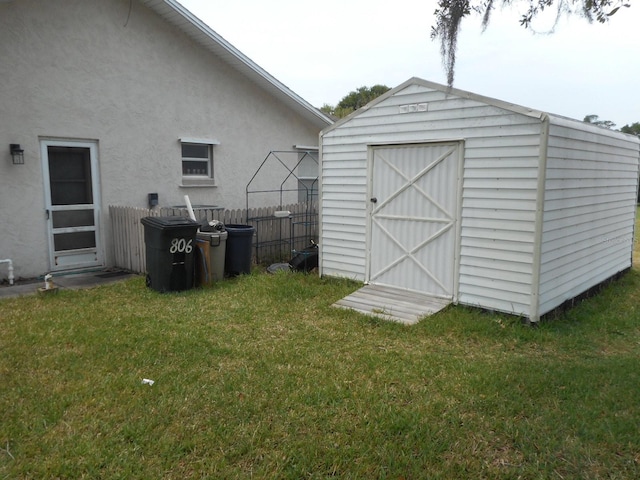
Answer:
[(322, 50)]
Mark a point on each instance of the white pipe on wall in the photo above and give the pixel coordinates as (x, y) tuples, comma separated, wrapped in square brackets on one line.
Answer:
[(192, 215), (10, 262)]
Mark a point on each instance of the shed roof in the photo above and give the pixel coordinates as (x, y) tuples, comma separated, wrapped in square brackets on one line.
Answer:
[(200, 32), (483, 99)]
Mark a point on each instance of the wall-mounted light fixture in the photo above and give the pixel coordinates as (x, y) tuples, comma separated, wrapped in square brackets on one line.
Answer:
[(17, 154)]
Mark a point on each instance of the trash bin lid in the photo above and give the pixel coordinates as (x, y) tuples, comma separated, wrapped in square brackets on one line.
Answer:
[(237, 230), (169, 223), (279, 267), (207, 236)]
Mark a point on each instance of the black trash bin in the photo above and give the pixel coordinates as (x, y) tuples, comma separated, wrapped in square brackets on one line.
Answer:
[(237, 259), (170, 244)]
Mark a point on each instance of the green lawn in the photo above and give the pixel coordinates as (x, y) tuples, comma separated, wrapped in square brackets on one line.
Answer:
[(259, 377)]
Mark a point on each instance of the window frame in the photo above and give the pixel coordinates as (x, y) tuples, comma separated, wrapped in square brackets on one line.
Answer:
[(209, 176), (313, 152)]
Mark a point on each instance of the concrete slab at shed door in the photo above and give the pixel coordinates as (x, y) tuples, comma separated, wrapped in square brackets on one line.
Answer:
[(392, 304)]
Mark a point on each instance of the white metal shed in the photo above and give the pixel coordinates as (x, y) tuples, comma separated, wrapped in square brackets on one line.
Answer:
[(474, 200)]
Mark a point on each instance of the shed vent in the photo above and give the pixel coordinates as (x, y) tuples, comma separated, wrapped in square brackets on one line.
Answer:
[(414, 107)]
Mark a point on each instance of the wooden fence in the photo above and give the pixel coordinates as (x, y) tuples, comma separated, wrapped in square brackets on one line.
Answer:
[(277, 235)]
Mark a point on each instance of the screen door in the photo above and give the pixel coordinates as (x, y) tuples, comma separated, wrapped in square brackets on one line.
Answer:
[(72, 204)]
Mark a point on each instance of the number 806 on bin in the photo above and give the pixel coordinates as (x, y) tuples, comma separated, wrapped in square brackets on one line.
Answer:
[(181, 245)]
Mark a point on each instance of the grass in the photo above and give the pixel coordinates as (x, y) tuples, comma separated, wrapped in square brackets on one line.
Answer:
[(258, 377)]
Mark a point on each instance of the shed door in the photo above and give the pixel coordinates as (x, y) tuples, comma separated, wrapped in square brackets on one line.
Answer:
[(413, 217)]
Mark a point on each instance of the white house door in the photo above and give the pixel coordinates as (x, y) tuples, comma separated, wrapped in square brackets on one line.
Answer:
[(72, 204), (413, 217)]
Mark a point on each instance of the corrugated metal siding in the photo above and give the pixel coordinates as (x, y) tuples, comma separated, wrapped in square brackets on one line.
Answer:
[(498, 198), (589, 210)]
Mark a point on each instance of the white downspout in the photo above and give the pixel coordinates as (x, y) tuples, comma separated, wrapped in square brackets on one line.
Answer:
[(10, 262)]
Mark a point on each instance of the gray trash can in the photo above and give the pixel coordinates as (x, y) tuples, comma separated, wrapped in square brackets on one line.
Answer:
[(210, 252), (169, 244)]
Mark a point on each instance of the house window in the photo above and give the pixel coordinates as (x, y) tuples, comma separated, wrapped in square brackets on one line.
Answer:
[(197, 160), (308, 190), (307, 173)]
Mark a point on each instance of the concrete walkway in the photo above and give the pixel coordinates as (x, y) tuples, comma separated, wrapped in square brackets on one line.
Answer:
[(68, 281)]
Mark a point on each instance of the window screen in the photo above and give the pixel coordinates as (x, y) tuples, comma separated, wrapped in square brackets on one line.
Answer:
[(197, 160)]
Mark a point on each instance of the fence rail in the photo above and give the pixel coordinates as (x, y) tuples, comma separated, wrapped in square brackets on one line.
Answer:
[(275, 239)]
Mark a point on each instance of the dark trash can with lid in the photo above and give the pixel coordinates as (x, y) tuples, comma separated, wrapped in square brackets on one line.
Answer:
[(238, 254), (170, 244)]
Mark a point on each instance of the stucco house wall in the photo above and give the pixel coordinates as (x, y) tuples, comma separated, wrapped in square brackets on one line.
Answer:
[(121, 75)]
